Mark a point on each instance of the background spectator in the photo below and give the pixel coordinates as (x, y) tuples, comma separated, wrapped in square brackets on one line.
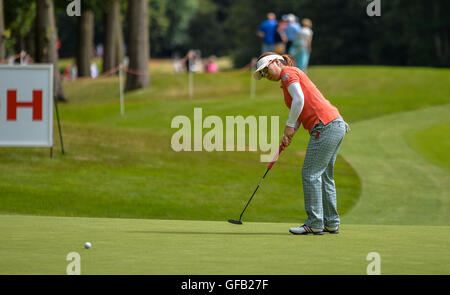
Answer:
[(306, 38), (266, 31), (292, 29), (94, 70), (211, 65), (280, 38)]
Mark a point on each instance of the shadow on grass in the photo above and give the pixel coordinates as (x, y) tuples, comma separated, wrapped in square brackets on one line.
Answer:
[(207, 233)]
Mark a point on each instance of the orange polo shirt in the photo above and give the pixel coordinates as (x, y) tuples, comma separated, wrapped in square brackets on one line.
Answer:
[(316, 107)]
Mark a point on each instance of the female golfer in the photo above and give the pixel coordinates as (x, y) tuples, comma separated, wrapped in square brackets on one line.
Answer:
[(326, 128)]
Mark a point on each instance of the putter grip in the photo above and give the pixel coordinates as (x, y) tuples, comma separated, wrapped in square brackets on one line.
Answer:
[(276, 156)]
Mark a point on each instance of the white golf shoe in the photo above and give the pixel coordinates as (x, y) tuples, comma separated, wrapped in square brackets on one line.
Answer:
[(304, 230), (332, 230)]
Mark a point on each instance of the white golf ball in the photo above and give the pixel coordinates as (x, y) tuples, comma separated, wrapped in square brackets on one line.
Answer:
[(87, 245)]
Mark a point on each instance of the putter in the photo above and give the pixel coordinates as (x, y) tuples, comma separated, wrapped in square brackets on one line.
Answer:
[(233, 221)]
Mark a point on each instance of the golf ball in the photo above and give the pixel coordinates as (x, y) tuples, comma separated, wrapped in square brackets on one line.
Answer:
[(87, 245)]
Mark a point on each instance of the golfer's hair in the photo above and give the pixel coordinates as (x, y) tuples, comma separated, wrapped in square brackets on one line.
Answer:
[(288, 60), (306, 22)]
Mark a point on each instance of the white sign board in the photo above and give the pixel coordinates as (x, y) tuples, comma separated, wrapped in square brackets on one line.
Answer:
[(26, 106)]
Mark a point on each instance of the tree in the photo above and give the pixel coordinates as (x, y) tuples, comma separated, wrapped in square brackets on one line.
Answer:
[(240, 26), (46, 37), (2, 32), (18, 17), (119, 42), (212, 41), (159, 24), (441, 27), (85, 32), (138, 45), (169, 25), (85, 42), (113, 41)]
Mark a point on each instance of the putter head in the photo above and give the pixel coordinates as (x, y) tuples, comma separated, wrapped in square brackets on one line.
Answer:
[(234, 221)]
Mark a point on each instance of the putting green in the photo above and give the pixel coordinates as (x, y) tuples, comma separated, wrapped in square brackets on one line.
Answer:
[(40, 245), (399, 184)]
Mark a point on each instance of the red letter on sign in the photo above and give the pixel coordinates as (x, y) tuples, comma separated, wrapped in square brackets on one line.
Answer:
[(12, 103)]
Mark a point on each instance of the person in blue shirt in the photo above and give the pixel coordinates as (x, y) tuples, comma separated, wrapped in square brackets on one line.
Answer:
[(266, 31), (292, 29)]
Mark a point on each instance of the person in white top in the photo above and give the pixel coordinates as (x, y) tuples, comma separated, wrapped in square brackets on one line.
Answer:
[(306, 39)]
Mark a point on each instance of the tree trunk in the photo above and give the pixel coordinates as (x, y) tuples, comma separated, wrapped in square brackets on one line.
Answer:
[(2, 32), (85, 42), (440, 36), (119, 56), (113, 54), (30, 44), (109, 49), (138, 45), (20, 44), (46, 37)]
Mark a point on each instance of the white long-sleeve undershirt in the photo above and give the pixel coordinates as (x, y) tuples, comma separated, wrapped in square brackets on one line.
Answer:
[(298, 101)]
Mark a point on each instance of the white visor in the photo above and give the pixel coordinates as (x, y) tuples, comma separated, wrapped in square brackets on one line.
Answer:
[(264, 62)]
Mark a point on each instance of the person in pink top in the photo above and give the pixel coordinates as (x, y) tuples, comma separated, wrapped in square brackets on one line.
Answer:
[(326, 127), (211, 66)]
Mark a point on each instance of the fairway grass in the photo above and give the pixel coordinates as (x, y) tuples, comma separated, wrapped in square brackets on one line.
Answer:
[(432, 141), (125, 167), (39, 245), (399, 184)]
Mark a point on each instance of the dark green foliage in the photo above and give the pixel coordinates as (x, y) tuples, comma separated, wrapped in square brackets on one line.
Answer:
[(409, 33), (210, 35), (19, 20)]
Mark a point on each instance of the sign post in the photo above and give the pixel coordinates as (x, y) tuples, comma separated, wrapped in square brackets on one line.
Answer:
[(190, 78), (26, 106), (60, 131), (122, 102), (252, 80)]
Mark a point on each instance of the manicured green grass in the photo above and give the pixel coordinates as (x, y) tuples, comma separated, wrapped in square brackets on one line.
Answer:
[(134, 173), (359, 93), (399, 184), (371, 91), (125, 167), (40, 245), (392, 179), (433, 143)]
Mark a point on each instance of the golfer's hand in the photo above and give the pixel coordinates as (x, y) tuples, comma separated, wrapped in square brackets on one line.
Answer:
[(288, 134)]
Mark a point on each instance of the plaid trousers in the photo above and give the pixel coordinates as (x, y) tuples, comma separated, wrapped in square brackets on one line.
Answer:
[(319, 188)]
